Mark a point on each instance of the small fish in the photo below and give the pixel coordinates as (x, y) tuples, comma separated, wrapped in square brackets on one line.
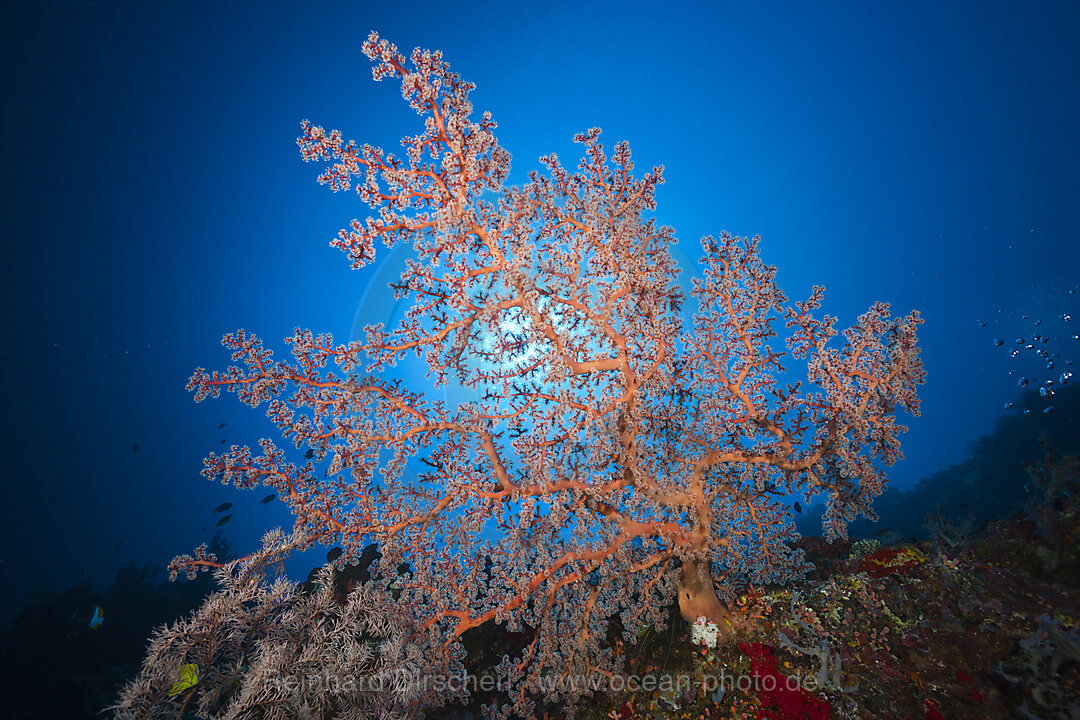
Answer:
[(223, 507), (135, 448), (268, 498), (798, 508), (118, 544), (883, 532), (223, 520), (55, 497), (309, 454), (96, 618), (221, 426), (222, 441), (334, 554), (189, 678)]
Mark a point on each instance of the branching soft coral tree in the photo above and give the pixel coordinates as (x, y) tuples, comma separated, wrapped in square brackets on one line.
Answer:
[(259, 647), (615, 456)]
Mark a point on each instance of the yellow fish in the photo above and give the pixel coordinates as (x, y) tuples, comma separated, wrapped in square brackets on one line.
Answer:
[(189, 678), (96, 618)]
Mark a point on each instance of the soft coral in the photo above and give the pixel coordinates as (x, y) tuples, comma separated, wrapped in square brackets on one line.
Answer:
[(779, 699)]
